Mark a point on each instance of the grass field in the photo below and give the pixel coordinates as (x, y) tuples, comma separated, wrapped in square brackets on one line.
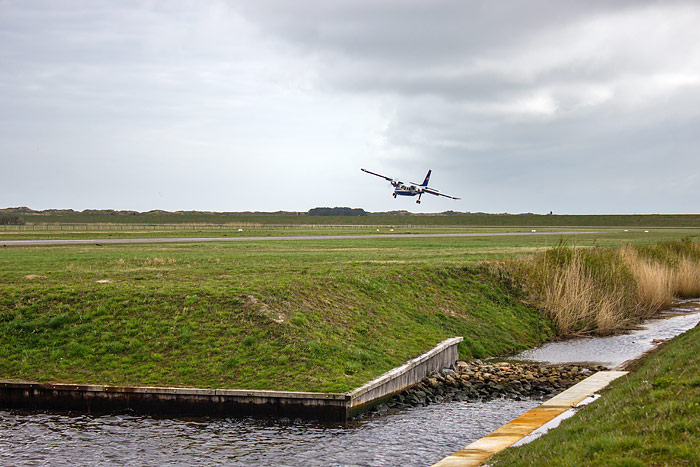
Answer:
[(77, 231), (463, 220), (90, 231), (650, 417), (299, 315)]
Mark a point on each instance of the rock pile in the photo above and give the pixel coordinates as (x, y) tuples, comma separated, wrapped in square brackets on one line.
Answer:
[(480, 381)]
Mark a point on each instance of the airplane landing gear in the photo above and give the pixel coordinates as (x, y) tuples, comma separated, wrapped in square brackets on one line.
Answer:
[(417, 201)]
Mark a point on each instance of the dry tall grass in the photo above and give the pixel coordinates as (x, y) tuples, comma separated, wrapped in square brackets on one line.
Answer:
[(571, 299), (574, 292), (659, 282), (654, 281), (686, 281), (602, 290)]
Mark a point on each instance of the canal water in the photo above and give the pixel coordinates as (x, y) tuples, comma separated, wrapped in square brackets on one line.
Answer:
[(416, 436), (614, 351), (413, 437)]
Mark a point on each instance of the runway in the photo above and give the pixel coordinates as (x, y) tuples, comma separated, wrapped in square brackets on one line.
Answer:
[(107, 241)]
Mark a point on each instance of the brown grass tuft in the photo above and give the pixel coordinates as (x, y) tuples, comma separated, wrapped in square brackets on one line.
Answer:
[(686, 280), (575, 302), (654, 281), (603, 290)]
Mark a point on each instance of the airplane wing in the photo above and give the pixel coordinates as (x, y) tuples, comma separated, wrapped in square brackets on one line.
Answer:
[(433, 191), (382, 176)]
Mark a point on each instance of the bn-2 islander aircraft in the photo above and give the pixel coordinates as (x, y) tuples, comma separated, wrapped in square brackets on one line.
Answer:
[(401, 189)]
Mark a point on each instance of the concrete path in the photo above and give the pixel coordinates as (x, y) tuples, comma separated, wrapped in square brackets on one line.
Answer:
[(515, 430), (94, 241)]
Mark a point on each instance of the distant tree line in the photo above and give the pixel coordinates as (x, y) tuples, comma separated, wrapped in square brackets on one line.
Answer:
[(337, 212), (11, 219)]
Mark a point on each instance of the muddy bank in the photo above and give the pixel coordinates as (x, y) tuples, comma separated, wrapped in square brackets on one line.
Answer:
[(483, 381)]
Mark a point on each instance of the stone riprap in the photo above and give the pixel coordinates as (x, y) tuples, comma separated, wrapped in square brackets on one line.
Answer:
[(480, 381)]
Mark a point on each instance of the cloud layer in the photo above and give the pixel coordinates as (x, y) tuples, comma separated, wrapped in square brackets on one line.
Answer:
[(521, 106)]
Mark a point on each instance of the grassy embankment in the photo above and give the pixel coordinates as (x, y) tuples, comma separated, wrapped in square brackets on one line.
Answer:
[(277, 315), (314, 315), (650, 417)]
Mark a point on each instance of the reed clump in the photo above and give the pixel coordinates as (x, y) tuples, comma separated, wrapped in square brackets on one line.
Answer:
[(677, 264), (655, 281), (604, 289), (687, 278)]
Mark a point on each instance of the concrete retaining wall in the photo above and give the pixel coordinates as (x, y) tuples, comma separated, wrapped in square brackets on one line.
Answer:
[(173, 401), (225, 402), (400, 378)]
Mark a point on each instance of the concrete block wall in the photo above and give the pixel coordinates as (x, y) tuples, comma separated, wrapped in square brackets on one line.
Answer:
[(226, 402), (410, 373)]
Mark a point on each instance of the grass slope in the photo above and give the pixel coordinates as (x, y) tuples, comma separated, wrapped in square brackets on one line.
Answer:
[(282, 315), (650, 417), (297, 315), (328, 335)]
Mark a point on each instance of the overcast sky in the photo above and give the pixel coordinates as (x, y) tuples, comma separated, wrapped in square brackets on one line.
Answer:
[(516, 106)]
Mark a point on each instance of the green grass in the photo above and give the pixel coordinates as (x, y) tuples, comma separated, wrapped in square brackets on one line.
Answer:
[(309, 315), (77, 231), (650, 417), (295, 333), (475, 219), (297, 315)]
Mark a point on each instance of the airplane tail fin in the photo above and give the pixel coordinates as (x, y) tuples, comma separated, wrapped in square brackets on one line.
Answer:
[(427, 179)]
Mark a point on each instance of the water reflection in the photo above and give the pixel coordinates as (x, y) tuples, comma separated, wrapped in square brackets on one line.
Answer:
[(613, 351)]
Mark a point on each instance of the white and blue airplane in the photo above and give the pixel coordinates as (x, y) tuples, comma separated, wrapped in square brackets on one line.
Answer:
[(401, 189)]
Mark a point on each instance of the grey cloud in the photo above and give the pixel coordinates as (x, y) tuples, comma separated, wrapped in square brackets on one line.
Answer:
[(480, 51), (415, 30), (517, 106)]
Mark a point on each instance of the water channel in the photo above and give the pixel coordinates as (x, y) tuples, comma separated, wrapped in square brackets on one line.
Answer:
[(613, 351), (417, 436)]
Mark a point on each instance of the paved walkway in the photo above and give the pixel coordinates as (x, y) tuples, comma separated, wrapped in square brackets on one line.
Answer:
[(94, 241), (515, 430)]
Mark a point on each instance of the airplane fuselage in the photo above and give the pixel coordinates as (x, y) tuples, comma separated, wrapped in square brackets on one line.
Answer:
[(404, 190)]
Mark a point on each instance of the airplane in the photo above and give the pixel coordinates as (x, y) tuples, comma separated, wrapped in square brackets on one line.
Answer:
[(401, 189)]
